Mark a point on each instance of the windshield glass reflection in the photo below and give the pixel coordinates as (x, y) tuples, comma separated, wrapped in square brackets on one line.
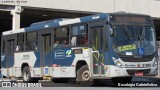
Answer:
[(128, 38)]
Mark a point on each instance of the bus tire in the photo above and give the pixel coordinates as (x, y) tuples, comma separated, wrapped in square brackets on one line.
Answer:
[(26, 76), (83, 76), (121, 80)]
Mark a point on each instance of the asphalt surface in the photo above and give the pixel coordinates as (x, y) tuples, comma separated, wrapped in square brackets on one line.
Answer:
[(101, 85), (137, 82)]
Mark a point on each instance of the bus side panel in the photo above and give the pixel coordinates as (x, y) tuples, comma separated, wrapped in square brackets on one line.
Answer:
[(68, 72), (62, 59), (7, 66), (3, 65), (67, 60), (84, 56), (63, 56), (25, 57), (37, 62), (107, 58), (3, 61), (30, 58), (17, 71), (55, 72), (11, 68), (36, 72), (4, 71)]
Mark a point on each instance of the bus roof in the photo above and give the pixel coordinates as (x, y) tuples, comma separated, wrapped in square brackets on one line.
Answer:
[(57, 23)]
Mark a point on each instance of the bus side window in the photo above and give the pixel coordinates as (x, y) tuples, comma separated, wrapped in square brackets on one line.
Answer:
[(79, 36), (73, 40), (61, 37), (20, 42), (31, 41)]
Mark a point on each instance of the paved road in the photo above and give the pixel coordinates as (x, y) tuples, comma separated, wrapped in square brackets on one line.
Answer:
[(137, 81), (141, 82)]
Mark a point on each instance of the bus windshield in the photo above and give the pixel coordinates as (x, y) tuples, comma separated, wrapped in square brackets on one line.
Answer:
[(129, 38)]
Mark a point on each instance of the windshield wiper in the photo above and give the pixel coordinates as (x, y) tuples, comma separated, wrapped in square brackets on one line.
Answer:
[(140, 36), (143, 34), (126, 32)]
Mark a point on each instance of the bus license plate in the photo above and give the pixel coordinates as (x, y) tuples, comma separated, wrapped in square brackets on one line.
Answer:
[(139, 74)]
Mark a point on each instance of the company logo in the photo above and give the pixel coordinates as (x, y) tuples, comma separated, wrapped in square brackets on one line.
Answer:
[(95, 17), (6, 84), (130, 65), (13, 84), (68, 53), (13, 1)]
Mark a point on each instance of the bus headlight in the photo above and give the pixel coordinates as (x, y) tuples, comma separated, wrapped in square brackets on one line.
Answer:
[(117, 62), (155, 64)]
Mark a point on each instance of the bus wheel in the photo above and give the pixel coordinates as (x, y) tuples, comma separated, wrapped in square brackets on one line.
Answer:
[(26, 75), (83, 76), (121, 80)]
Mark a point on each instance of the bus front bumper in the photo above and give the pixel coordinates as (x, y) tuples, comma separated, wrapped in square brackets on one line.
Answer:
[(115, 71)]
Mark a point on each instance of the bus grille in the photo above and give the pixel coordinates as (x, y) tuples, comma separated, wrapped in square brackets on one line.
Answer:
[(132, 72), (136, 59)]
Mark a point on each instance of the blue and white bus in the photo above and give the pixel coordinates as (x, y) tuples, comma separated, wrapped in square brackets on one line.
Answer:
[(113, 46)]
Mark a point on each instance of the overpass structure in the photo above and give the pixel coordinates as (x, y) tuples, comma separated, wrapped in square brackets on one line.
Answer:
[(134, 6)]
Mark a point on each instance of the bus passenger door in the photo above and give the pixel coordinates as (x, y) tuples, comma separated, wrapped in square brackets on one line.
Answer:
[(97, 45), (46, 54), (10, 57)]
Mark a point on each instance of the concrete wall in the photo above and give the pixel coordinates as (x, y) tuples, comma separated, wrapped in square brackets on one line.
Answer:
[(150, 7)]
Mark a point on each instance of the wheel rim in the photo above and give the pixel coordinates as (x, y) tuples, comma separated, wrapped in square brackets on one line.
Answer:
[(26, 75), (86, 75)]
